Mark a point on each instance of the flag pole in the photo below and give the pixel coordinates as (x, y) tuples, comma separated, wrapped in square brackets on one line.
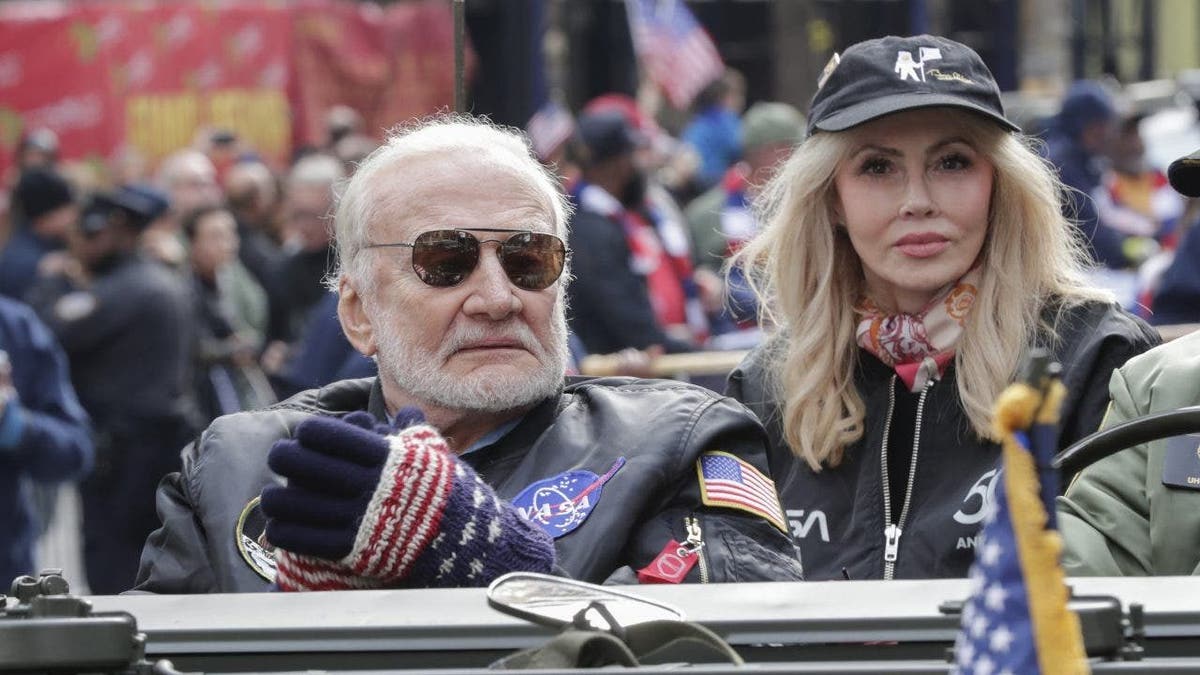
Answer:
[(460, 23)]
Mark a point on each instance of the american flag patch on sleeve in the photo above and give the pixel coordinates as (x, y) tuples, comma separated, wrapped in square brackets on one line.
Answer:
[(726, 480)]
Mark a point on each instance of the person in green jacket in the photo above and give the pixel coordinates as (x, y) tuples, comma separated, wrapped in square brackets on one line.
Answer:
[(1123, 515), (1137, 512)]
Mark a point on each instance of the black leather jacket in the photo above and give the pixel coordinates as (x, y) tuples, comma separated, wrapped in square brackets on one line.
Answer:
[(837, 515), (210, 537)]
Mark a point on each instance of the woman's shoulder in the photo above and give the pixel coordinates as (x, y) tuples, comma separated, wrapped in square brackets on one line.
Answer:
[(751, 381), (1097, 332), (753, 368), (1075, 320)]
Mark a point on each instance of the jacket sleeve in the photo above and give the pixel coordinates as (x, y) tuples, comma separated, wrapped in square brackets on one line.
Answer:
[(1101, 344), (1105, 515), (47, 425), (1118, 517), (209, 508), (175, 558), (740, 543)]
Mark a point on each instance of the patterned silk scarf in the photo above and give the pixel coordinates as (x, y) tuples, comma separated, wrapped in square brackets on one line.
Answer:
[(919, 346)]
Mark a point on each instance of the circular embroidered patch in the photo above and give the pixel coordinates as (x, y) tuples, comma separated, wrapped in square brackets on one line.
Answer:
[(561, 503), (248, 535)]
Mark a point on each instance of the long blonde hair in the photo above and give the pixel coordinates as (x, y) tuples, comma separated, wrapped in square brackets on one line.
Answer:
[(807, 278)]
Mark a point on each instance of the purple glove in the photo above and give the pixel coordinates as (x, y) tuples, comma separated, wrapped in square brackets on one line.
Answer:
[(365, 510)]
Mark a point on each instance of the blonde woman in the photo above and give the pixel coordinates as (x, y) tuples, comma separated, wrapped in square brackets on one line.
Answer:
[(913, 251)]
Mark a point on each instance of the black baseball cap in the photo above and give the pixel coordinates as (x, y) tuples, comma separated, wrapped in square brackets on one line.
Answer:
[(608, 134), (134, 205), (892, 74), (1184, 174)]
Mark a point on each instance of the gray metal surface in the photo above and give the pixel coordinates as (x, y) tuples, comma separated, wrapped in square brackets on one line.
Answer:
[(798, 627)]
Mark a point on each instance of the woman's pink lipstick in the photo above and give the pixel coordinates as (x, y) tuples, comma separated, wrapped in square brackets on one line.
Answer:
[(922, 244)]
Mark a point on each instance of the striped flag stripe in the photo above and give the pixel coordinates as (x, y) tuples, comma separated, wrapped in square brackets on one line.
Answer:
[(675, 51), (733, 491)]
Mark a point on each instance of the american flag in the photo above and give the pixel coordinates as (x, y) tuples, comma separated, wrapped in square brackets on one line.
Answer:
[(1016, 619), (674, 49), (549, 128), (726, 480)]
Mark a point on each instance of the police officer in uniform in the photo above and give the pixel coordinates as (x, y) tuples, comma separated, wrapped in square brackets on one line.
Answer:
[(125, 324)]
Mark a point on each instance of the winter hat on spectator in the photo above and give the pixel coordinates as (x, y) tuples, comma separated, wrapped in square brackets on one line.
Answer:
[(771, 124), (40, 191), (135, 205), (892, 74), (1085, 103), (628, 107), (608, 134)]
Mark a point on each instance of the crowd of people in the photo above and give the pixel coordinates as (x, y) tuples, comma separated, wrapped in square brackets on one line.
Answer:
[(174, 298), (1131, 219), (363, 357)]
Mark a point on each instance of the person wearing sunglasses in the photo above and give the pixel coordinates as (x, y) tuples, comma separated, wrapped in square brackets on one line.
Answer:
[(468, 456)]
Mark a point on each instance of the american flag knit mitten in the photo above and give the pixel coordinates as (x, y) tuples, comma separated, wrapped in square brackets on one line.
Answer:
[(365, 509)]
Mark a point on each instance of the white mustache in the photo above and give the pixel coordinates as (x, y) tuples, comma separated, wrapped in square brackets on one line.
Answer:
[(470, 334)]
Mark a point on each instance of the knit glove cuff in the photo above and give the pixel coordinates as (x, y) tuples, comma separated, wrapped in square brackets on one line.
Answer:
[(479, 538), (430, 522)]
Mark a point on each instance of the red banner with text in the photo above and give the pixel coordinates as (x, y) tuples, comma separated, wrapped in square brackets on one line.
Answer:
[(147, 76)]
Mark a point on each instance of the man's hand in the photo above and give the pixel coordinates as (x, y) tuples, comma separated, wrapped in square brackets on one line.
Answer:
[(63, 264), (365, 510)]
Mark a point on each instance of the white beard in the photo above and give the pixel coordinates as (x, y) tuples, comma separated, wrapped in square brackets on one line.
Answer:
[(419, 373)]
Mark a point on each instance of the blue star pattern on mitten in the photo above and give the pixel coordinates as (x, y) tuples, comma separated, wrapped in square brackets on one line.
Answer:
[(366, 510)]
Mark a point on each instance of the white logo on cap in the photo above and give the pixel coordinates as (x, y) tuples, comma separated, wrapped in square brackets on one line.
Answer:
[(906, 67)]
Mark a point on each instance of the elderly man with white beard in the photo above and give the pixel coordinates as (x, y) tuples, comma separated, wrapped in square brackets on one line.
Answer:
[(470, 455)]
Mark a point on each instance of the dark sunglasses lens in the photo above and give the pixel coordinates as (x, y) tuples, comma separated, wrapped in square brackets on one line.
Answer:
[(533, 260), (445, 257)]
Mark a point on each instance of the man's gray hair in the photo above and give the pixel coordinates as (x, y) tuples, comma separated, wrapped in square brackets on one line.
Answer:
[(459, 138)]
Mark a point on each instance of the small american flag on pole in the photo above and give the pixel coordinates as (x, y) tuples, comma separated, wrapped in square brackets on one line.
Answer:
[(729, 481), (674, 49)]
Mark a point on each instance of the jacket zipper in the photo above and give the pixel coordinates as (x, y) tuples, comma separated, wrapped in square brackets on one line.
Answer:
[(892, 532), (695, 544)]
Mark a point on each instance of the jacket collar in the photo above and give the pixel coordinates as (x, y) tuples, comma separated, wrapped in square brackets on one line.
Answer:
[(349, 395), (522, 438), (375, 403)]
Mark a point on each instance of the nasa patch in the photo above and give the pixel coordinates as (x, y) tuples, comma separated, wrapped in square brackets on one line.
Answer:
[(561, 503), (248, 535)]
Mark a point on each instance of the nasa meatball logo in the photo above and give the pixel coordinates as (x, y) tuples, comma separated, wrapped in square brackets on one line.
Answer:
[(561, 503)]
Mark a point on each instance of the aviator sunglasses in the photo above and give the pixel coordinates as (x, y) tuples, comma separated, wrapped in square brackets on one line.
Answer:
[(443, 258)]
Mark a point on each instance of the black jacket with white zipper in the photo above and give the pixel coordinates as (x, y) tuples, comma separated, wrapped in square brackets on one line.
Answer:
[(211, 537), (839, 517)]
